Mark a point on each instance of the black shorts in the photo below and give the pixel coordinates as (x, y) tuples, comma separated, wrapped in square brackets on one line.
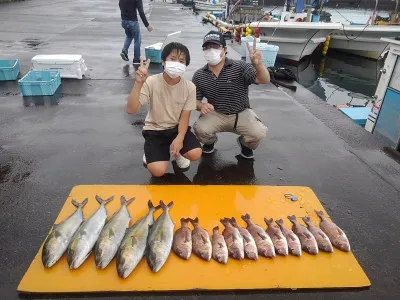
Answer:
[(157, 143)]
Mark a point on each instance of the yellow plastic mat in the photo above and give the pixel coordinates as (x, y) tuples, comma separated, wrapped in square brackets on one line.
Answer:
[(209, 203)]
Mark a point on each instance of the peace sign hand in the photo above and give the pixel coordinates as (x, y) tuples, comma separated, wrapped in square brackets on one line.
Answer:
[(141, 73), (255, 54)]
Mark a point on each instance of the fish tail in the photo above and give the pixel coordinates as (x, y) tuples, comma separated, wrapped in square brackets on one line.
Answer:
[(306, 220), (268, 221), (233, 222), (246, 218), (194, 221), (126, 202), (104, 202), (320, 214), (292, 218), (215, 229), (166, 206), (151, 206), (279, 222), (82, 204)]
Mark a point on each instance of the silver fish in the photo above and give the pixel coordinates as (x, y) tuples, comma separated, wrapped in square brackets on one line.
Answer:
[(219, 248), (201, 241), (250, 247), (293, 241), (264, 244), (334, 233), (307, 240), (61, 235), (133, 246), (112, 234), (160, 239), (86, 236), (322, 239), (277, 237), (182, 244)]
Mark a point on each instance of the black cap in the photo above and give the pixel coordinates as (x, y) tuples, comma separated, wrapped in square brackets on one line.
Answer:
[(214, 37)]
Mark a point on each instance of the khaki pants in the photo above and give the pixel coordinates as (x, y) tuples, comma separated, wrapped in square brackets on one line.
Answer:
[(248, 126)]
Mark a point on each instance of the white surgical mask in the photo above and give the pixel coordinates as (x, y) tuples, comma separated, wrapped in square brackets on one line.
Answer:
[(212, 56), (174, 69)]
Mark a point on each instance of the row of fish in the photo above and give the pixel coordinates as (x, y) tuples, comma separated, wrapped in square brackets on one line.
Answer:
[(155, 239), (239, 242), (78, 237)]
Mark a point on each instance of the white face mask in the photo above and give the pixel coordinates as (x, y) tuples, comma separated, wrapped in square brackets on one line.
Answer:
[(174, 69), (212, 56)]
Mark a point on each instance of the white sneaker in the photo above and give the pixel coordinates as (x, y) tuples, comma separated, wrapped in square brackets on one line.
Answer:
[(182, 162), (144, 159)]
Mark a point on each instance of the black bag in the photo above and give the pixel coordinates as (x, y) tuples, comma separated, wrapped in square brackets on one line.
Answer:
[(278, 74)]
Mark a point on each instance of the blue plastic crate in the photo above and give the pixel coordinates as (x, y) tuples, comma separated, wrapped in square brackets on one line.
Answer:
[(40, 83), (9, 69), (153, 54), (269, 53)]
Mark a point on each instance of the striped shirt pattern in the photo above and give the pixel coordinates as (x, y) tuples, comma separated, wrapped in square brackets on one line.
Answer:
[(229, 92)]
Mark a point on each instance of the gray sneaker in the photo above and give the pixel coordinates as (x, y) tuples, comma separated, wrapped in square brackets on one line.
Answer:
[(124, 55)]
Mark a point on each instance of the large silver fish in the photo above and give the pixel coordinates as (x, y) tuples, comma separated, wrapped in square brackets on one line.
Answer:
[(293, 241), (277, 238), (160, 239), (61, 235), (264, 243), (112, 234), (86, 236), (334, 233), (133, 246), (307, 240), (322, 239)]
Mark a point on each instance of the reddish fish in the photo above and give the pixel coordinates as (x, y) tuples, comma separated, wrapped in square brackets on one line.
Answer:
[(293, 241), (182, 244), (219, 248), (277, 237), (334, 233), (322, 239), (264, 243), (307, 240), (233, 239), (250, 248), (201, 241)]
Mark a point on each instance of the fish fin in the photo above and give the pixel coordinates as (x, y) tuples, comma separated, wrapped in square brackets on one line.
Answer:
[(203, 238), (84, 202), (170, 204), (268, 221), (262, 236), (277, 236), (220, 245), (233, 237), (134, 240), (306, 220), (111, 233), (150, 204), (322, 235), (309, 236), (292, 218), (279, 222), (188, 235), (246, 218), (57, 233), (129, 201), (291, 236), (320, 214), (246, 238), (76, 204), (340, 231), (102, 201)]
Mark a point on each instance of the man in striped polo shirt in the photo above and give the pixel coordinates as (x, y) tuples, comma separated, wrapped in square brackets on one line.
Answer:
[(225, 84)]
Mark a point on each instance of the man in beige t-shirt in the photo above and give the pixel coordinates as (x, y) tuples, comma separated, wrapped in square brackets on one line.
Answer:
[(171, 99)]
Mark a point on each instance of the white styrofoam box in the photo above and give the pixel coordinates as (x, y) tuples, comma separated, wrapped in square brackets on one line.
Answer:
[(69, 65), (153, 52)]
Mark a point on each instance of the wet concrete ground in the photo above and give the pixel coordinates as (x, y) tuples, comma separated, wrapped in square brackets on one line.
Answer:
[(83, 136)]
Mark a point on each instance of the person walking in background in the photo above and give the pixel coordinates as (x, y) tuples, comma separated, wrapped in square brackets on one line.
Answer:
[(129, 21)]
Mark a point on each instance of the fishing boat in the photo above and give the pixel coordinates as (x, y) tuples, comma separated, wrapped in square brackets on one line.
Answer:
[(211, 5), (365, 39)]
